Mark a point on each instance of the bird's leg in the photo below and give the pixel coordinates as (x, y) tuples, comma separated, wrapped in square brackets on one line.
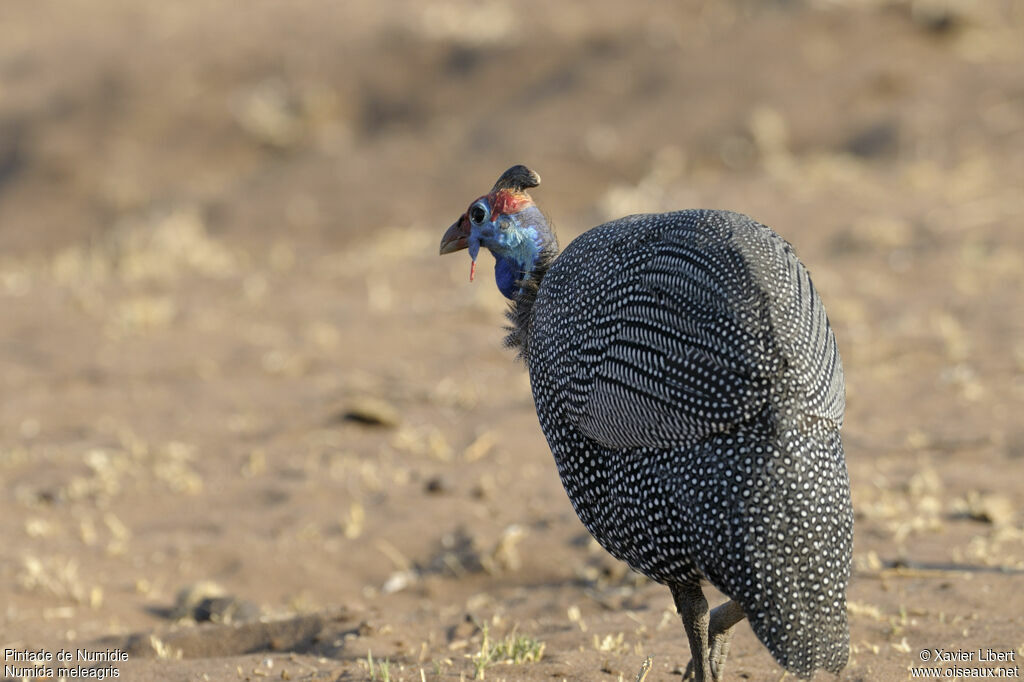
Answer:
[(693, 609), (723, 618), (720, 625)]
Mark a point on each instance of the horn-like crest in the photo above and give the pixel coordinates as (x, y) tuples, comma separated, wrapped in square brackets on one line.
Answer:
[(518, 178)]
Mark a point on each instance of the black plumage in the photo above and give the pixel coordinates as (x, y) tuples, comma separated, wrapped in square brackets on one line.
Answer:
[(689, 385)]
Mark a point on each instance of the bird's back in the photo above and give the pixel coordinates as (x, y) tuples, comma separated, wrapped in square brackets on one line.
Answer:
[(688, 382)]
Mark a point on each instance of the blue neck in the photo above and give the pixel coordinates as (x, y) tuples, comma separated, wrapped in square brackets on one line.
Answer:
[(506, 273)]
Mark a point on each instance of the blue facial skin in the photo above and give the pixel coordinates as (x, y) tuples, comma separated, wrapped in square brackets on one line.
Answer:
[(506, 273), (516, 241)]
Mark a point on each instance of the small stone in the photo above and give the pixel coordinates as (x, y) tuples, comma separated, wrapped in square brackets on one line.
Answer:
[(192, 596), (436, 485), (371, 412), (225, 610), (398, 581), (989, 508), (207, 601), (880, 139)]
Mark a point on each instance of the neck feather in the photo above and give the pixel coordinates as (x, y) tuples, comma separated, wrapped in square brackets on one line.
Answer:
[(520, 311)]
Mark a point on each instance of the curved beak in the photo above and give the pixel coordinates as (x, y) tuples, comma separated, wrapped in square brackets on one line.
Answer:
[(456, 238)]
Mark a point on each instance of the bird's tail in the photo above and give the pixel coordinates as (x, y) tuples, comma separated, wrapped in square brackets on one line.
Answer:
[(785, 552), (801, 614), (818, 640)]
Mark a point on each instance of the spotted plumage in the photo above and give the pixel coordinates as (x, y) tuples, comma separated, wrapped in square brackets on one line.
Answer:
[(690, 388)]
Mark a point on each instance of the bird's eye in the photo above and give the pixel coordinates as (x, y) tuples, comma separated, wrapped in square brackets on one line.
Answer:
[(477, 213)]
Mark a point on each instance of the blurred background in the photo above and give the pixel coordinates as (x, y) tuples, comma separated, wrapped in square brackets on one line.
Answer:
[(253, 425)]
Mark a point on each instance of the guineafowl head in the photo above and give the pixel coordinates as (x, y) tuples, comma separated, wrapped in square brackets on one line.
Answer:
[(508, 224)]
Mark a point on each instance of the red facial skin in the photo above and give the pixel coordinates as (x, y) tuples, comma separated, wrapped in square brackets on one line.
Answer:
[(506, 201)]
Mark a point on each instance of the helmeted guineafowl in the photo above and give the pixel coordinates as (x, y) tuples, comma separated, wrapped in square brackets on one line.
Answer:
[(689, 385)]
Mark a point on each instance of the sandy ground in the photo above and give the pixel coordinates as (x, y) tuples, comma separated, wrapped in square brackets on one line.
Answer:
[(253, 427)]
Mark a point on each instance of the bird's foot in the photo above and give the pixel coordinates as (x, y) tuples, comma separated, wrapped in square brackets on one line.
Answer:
[(722, 620), (716, 663)]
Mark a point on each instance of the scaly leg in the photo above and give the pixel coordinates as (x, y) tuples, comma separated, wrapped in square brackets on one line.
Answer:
[(693, 609), (720, 626), (723, 618)]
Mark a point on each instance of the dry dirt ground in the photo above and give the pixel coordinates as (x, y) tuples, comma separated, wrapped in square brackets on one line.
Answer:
[(253, 427)]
